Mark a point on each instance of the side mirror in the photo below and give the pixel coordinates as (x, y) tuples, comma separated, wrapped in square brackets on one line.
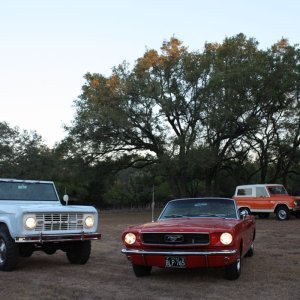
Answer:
[(66, 198), (243, 215)]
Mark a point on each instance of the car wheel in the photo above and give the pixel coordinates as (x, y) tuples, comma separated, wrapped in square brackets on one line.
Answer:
[(26, 249), (250, 252), (9, 251), (141, 271), (79, 252), (282, 213), (233, 271), (297, 215)]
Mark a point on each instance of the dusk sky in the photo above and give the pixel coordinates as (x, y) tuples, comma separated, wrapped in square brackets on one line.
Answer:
[(47, 46)]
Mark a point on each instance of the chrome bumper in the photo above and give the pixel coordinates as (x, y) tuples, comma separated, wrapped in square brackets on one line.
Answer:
[(45, 238), (147, 252)]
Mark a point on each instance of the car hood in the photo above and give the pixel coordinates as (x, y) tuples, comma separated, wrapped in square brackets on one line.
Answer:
[(187, 225), (49, 206)]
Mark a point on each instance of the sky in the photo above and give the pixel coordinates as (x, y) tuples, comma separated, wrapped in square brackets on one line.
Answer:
[(47, 46)]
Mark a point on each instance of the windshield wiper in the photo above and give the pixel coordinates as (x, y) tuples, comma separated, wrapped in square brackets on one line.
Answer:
[(212, 215), (173, 216)]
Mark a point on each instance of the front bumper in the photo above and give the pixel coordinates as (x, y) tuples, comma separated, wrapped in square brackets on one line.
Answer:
[(47, 238), (193, 259), (147, 252)]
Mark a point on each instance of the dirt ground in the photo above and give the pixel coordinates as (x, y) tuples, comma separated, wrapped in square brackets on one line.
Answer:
[(272, 273)]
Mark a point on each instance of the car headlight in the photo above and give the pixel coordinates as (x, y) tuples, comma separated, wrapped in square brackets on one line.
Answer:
[(130, 238), (226, 238), (89, 221), (30, 223)]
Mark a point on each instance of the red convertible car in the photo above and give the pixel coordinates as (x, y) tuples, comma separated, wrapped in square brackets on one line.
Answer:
[(192, 233)]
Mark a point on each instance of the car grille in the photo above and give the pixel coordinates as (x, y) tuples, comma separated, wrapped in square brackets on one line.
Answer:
[(59, 221), (175, 238)]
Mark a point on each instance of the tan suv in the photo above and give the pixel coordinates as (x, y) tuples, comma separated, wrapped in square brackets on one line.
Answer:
[(263, 199)]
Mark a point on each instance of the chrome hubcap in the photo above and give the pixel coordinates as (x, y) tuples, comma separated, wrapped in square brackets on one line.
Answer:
[(282, 214), (2, 251), (238, 265)]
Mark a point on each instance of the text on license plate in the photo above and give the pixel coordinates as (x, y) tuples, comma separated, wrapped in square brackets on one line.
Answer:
[(175, 262)]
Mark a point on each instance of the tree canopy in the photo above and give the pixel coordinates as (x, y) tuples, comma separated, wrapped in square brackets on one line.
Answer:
[(189, 122), (190, 111)]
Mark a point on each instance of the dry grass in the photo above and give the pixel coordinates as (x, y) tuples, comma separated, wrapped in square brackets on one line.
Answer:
[(272, 273)]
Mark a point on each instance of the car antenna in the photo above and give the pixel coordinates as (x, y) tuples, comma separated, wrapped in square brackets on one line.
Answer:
[(152, 204)]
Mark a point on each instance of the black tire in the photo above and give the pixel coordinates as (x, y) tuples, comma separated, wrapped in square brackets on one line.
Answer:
[(250, 252), (9, 251), (263, 215), (233, 271), (297, 215), (141, 271), (282, 213), (26, 249), (79, 252), (49, 248)]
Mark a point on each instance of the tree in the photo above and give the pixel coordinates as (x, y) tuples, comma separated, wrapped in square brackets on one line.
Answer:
[(228, 103), (23, 154), (154, 111)]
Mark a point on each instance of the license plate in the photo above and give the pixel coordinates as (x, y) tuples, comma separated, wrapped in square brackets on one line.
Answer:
[(175, 262)]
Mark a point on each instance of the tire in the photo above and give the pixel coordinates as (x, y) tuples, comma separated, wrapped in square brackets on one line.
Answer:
[(9, 251), (233, 271), (282, 213), (49, 248), (297, 215), (141, 271), (250, 252), (79, 252), (26, 249)]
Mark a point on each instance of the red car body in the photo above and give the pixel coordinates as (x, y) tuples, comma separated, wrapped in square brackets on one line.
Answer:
[(191, 241)]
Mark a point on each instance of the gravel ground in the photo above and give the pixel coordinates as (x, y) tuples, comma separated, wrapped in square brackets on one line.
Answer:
[(272, 273)]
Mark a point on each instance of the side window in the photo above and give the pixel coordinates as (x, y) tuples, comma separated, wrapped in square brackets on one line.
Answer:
[(261, 192), (244, 192)]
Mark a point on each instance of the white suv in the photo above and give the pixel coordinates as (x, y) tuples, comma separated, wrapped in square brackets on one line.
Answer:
[(33, 218)]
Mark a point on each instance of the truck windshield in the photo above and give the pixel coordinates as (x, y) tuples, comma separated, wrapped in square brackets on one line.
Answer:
[(277, 190), (27, 191)]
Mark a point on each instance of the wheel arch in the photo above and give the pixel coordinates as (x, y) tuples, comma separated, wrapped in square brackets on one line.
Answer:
[(3, 225), (6, 224), (282, 204)]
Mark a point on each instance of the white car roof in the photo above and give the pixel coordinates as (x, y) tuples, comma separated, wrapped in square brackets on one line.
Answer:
[(24, 180), (258, 185)]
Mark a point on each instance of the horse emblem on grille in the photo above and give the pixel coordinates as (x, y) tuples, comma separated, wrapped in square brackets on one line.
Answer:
[(173, 238)]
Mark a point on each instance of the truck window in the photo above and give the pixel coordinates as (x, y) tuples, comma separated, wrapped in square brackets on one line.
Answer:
[(261, 192), (244, 192)]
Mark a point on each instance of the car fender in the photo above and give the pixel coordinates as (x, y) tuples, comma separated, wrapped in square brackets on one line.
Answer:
[(11, 216), (283, 203)]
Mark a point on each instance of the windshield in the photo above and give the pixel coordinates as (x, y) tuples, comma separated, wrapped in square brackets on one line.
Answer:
[(277, 190), (27, 191), (198, 208)]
